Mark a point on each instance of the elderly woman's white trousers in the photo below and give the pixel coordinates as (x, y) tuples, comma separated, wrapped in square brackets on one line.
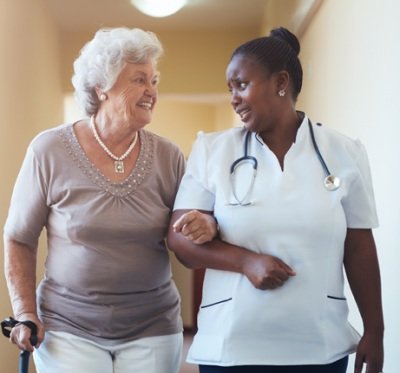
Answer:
[(65, 353)]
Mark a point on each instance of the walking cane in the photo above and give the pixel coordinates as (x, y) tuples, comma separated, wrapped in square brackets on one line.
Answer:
[(6, 326)]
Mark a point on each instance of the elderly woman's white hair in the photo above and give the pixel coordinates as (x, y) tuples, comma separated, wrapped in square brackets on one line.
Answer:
[(102, 59)]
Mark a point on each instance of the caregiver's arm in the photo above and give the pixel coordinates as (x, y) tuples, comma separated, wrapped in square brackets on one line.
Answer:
[(362, 269), (263, 271)]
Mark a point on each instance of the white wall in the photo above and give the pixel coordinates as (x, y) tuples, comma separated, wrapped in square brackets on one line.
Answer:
[(351, 59)]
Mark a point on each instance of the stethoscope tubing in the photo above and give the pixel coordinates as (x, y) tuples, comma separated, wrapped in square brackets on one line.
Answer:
[(331, 182), (246, 157), (317, 151)]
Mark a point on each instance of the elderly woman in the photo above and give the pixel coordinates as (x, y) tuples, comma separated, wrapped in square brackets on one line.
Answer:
[(103, 188)]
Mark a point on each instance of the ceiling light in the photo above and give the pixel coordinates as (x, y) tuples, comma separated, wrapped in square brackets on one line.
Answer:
[(159, 8)]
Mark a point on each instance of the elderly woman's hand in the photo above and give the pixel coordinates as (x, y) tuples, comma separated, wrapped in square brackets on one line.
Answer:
[(21, 334), (198, 227)]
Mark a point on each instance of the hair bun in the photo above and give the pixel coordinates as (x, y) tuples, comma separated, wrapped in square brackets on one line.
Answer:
[(284, 34)]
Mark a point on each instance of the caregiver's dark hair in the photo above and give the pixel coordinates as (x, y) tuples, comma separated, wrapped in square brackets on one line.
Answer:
[(276, 52)]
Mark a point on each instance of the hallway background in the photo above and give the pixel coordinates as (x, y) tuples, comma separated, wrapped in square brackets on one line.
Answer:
[(351, 65)]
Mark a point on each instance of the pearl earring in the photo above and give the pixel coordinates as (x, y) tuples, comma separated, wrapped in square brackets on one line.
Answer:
[(103, 97), (281, 93)]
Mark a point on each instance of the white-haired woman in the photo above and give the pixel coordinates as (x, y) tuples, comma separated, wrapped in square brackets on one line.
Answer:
[(103, 187)]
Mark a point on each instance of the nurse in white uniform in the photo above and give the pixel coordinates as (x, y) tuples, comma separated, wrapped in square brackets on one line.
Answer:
[(295, 206)]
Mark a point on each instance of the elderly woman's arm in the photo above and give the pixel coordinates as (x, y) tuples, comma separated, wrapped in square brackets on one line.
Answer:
[(20, 272), (362, 269), (263, 271)]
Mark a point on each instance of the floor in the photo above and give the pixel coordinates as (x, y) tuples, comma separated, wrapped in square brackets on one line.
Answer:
[(187, 368)]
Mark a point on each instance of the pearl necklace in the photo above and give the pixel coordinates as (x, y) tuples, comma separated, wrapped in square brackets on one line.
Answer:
[(118, 161)]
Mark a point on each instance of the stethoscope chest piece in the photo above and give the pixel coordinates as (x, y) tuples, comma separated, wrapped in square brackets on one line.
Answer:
[(331, 182)]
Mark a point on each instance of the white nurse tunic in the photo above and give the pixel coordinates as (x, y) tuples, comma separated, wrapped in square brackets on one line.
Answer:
[(291, 216)]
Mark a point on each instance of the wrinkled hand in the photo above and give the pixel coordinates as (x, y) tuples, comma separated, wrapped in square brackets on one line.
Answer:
[(20, 334), (196, 226), (370, 352), (266, 271)]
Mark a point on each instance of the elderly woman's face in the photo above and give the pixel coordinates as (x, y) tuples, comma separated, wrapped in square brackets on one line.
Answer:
[(134, 94)]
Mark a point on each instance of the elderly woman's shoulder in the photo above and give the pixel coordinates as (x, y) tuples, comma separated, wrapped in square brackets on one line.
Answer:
[(51, 136), (160, 142)]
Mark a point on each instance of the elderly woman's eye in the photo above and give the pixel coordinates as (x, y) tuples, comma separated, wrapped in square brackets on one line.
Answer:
[(242, 85), (139, 80)]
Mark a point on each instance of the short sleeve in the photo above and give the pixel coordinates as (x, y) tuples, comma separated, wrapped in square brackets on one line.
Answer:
[(180, 169), (28, 209), (194, 192), (359, 203)]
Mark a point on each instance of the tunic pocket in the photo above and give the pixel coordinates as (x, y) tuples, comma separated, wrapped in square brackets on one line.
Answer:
[(337, 298), (215, 303), (339, 333), (208, 343)]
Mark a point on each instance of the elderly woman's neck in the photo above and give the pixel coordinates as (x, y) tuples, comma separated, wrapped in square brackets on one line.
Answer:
[(115, 126)]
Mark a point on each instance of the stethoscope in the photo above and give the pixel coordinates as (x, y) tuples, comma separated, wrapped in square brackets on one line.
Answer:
[(234, 165), (331, 182)]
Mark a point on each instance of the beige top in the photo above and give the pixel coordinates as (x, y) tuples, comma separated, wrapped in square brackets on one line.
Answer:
[(108, 276)]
